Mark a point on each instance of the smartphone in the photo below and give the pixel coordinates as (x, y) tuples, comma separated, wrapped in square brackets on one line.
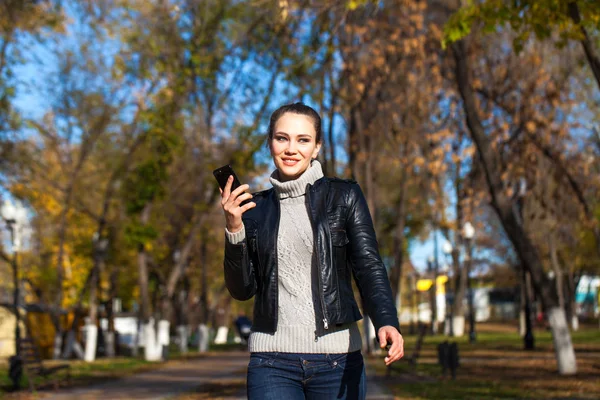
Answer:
[(222, 174)]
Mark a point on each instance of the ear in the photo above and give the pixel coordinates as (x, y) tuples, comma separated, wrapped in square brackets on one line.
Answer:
[(316, 151)]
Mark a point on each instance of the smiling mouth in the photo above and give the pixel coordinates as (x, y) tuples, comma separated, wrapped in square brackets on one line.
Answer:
[(290, 162)]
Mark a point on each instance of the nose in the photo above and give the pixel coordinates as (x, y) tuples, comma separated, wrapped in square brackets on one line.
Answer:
[(291, 147)]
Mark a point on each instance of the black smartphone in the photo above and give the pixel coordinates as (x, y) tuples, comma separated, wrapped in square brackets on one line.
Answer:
[(222, 174)]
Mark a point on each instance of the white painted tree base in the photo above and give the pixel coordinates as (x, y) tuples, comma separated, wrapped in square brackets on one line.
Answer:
[(58, 342), (152, 347), (522, 327), (561, 337), (575, 323), (221, 337), (203, 338), (163, 332), (91, 340), (182, 334), (109, 344), (458, 325)]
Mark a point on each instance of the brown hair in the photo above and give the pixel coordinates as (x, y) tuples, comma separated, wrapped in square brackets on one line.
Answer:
[(295, 108)]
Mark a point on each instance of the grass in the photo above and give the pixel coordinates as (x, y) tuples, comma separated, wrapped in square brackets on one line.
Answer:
[(497, 367)]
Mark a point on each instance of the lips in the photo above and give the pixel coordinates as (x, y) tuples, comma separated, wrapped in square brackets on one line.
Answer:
[(289, 162)]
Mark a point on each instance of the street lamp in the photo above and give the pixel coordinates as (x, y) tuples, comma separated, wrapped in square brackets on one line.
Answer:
[(448, 249), (468, 234), (432, 267), (12, 216)]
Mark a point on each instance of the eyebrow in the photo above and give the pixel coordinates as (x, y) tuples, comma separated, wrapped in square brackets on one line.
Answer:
[(302, 135)]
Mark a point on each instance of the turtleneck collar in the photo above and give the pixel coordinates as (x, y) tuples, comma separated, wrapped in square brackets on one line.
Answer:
[(297, 187)]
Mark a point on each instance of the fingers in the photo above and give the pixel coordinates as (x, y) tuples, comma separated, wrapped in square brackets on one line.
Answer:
[(382, 335), (396, 351), (241, 189), (225, 193), (234, 198), (240, 199), (389, 334), (248, 206)]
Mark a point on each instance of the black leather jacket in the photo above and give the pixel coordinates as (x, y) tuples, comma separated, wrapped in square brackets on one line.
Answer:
[(344, 242)]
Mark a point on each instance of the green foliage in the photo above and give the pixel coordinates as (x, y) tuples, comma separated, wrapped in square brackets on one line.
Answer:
[(137, 234), (147, 181), (354, 4), (544, 18)]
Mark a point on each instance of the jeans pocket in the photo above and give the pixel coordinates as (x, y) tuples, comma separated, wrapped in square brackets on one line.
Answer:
[(259, 360), (347, 361)]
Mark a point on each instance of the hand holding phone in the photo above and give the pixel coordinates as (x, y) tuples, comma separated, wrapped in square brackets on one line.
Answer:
[(223, 173), (233, 211)]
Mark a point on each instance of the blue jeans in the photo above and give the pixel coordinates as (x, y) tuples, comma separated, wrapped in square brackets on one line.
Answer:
[(291, 376)]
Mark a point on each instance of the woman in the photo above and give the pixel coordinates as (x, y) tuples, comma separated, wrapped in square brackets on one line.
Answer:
[(295, 247)]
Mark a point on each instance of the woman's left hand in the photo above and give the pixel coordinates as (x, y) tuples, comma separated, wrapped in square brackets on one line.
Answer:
[(390, 335)]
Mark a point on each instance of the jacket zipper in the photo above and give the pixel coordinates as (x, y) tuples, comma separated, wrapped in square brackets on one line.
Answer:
[(277, 262), (325, 322)]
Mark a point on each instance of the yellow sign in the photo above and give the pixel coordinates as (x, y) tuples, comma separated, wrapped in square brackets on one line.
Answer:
[(424, 285)]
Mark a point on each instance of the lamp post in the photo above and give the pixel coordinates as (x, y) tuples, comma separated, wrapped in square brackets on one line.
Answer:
[(468, 234), (11, 215), (448, 249), (432, 267)]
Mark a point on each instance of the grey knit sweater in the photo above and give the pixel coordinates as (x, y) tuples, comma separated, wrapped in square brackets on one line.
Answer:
[(297, 328)]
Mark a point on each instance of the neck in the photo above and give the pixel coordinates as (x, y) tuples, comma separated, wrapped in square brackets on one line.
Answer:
[(297, 187)]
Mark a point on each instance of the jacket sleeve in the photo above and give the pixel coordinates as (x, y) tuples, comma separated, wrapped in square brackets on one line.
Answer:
[(239, 271), (369, 271)]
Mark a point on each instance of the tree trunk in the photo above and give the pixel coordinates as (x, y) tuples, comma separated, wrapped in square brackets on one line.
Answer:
[(62, 234), (151, 340), (522, 308), (111, 337), (565, 356), (586, 43), (458, 310), (203, 338), (558, 273), (571, 305), (396, 271), (502, 205), (203, 283), (91, 326), (143, 272), (460, 272)]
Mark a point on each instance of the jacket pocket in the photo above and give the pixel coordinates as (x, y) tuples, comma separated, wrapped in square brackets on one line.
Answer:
[(252, 238), (339, 237)]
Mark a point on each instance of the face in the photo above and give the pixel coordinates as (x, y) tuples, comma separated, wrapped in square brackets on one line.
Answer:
[(293, 145)]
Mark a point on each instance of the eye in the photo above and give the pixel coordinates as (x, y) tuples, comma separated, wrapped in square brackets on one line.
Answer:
[(304, 140), (280, 138)]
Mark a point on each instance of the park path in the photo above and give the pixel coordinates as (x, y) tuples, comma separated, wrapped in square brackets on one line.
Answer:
[(223, 372), (175, 378)]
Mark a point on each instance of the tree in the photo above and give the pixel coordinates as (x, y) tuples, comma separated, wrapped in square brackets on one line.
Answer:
[(558, 20), (503, 206)]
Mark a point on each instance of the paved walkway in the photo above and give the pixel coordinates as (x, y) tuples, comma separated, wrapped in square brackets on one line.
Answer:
[(166, 382), (224, 374)]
